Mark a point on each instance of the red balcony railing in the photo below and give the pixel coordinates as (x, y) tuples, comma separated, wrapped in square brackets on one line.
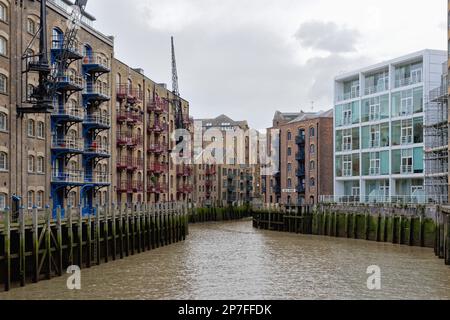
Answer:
[(159, 106), (157, 188), (130, 186), (183, 170), (157, 148), (157, 168), (157, 127), (132, 118), (185, 188), (128, 139), (210, 171), (132, 95)]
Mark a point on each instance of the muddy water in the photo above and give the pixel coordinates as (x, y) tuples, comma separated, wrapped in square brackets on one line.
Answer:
[(234, 261)]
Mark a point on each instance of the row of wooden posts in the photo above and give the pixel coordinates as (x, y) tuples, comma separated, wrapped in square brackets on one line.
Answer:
[(40, 246), (413, 230)]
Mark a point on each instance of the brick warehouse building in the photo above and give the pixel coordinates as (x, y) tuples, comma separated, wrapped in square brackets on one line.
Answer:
[(110, 123), (305, 159)]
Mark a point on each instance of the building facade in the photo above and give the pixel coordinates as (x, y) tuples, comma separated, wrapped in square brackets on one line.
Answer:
[(235, 180), (305, 159), (379, 143), (106, 139)]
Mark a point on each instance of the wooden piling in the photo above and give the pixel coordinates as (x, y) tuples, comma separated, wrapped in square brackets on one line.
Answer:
[(7, 259), (22, 249), (114, 234), (59, 245), (48, 246), (35, 253), (69, 219)]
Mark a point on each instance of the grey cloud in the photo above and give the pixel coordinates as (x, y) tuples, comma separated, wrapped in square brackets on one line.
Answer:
[(327, 36)]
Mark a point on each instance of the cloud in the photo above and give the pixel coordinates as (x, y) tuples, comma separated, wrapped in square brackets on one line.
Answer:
[(327, 36)]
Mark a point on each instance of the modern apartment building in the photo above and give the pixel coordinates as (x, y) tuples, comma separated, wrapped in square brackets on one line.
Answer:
[(305, 159), (233, 180), (106, 139), (379, 144)]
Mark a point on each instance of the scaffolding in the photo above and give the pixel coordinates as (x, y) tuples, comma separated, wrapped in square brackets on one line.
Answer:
[(436, 142)]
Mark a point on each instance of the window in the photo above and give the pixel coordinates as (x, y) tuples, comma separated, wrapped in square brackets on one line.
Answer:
[(40, 165), (374, 164), (289, 167), (347, 140), (71, 200), (31, 26), (312, 149), (30, 164), (289, 151), (3, 12), (41, 129), (57, 38), (347, 165), (289, 136), (375, 136), (347, 115), (374, 112), (39, 199), (289, 183), (407, 161), (3, 161), (30, 128), (312, 165), (312, 132), (30, 199), (407, 131), (30, 91), (3, 122), (2, 201), (3, 46), (312, 182), (3, 83)]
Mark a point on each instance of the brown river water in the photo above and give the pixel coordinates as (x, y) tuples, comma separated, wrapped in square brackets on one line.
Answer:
[(231, 260)]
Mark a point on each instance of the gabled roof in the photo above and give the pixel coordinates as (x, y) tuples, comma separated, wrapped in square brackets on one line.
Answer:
[(312, 115)]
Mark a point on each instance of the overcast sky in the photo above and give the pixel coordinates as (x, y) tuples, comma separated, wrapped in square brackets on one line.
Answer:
[(249, 58)]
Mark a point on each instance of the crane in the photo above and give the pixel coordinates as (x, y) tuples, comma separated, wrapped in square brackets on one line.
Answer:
[(175, 90)]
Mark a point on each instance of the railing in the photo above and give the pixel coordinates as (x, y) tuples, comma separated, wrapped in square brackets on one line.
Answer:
[(374, 143), (374, 171), (69, 112), (407, 140), (348, 96), (157, 188), (127, 139), (408, 81), (300, 140), (97, 89), (95, 58), (406, 169), (183, 170), (130, 163), (124, 91), (401, 199), (71, 79), (347, 172), (347, 147), (97, 148), (130, 117), (157, 147), (68, 143), (300, 156), (130, 186), (69, 176), (99, 119), (300, 172), (211, 171), (186, 188), (98, 177), (156, 127), (157, 168), (58, 44), (158, 106), (375, 89), (300, 189)]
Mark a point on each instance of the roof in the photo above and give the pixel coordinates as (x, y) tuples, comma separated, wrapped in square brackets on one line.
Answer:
[(220, 120), (312, 115)]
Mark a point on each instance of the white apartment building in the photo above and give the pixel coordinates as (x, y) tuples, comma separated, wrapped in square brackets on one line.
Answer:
[(379, 117)]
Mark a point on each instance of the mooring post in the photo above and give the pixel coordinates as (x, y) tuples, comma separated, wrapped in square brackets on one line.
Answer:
[(400, 229), (447, 246), (107, 212), (22, 256), (80, 236), (7, 234), (59, 240), (421, 231), (138, 222), (113, 227), (48, 246), (121, 208), (133, 228), (35, 235), (69, 220), (127, 229), (97, 244), (89, 240)]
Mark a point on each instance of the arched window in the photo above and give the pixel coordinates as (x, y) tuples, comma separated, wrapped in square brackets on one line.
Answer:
[(3, 161), (3, 46), (3, 121), (41, 129), (31, 26), (312, 149), (129, 86), (2, 201), (30, 91), (289, 151), (289, 136), (289, 183), (71, 200), (30, 128), (30, 199), (3, 13), (3, 82), (118, 79), (87, 51), (30, 56), (312, 165), (57, 38), (40, 165), (39, 199), (30, 164), (312, 132), (312, 182)]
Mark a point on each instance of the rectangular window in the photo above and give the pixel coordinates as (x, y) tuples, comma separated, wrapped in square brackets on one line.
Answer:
[(407, 132), (374, 112), (374, 164), (407, 161), (375, 136), (347, 166), (347, 115), (2, 201), (347, 140)]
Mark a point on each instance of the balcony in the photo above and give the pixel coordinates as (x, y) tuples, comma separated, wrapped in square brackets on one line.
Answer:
[(156, 127), (157, 148), (277, 190), (131, 118), (185, 189), (129, 163), (209, 184), (408, 81), (231, 188), (300, 140), (97, 121), (68, 145), (131, 95), (210, 171), (128, 140), (348, 95), (96, 92), (130, 186), (300, 189), (157, 168), (183, 170), (59, 49), (97, 150), (159, 106), (186, 120), (69, 81), (300, 172), (74, 115), (157, 188), (98, 178), (374, 171), (96, 64), (300, 156), (406, 169), (376, 89), (70, 177)]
